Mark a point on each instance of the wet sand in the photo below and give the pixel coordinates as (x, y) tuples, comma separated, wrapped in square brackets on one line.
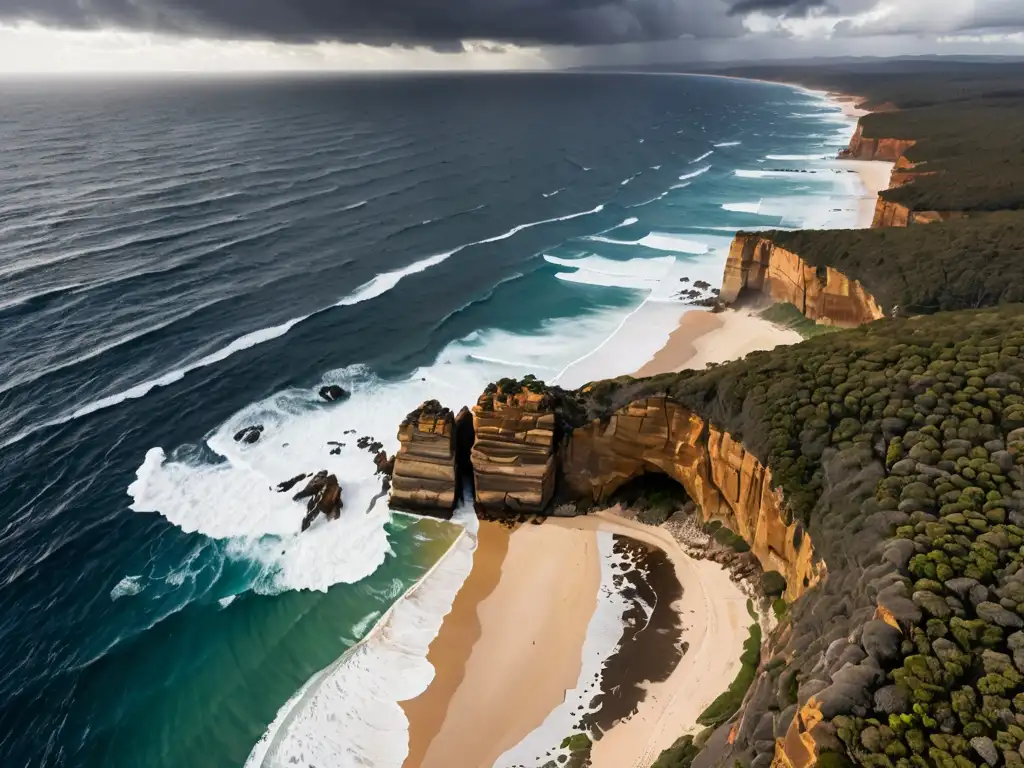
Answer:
[(509, 649)]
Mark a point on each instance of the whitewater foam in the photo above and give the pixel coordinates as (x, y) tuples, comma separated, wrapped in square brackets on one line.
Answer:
[(729, 144), (379, 285), (348, 715), (695, 174), (705, 156)]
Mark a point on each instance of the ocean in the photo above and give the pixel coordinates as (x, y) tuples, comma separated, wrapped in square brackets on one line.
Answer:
[(180, 259)]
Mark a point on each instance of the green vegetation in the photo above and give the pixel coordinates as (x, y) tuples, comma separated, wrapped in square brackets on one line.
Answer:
[(780, 608), (773, 584), (963, 264), (728, 704), (727, 538), (788, 316), (679, 755), (939, 401)]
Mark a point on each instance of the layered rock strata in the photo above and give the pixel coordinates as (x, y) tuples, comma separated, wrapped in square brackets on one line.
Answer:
[(888, 150), (424, 478), (757, 265), (889, 214), (725, 481), (513, 454)]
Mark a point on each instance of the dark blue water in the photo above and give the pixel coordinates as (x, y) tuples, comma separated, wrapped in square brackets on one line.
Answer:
[(180, 259)]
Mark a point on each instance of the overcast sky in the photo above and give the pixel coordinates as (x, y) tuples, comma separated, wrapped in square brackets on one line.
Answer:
[(253, 35)]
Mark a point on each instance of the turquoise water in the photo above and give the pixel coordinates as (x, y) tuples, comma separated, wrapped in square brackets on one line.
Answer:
[(182, 259)]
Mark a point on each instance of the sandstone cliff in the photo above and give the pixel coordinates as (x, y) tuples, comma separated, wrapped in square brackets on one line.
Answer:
[(425, 478), (889, 214), (757, 265), (726, 482), (513, 455), (862, 148)]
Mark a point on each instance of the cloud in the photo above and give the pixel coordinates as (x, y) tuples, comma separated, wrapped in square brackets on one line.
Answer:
[(777, 7), (440, 24)]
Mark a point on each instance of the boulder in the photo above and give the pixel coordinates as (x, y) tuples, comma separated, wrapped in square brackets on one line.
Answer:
[(334, 393), (881, 641), (249, 434), (323, 494)]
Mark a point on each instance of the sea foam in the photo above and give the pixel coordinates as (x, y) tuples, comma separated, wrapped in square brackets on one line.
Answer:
[(348, 715)]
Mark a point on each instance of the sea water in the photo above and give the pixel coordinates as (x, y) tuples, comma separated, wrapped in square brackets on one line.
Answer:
[(181, 259)]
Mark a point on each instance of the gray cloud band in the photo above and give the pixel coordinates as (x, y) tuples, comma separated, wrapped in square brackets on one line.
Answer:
[(437, 23)]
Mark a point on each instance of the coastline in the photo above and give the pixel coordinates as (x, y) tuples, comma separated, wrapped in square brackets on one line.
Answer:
[(524, 653), (503, 660)]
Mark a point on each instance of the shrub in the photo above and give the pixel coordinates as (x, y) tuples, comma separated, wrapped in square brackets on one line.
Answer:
[(773, 584)]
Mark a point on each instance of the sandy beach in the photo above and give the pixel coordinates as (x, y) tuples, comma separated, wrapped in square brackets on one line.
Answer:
[(715, 618), (510, 647), (704, 337)]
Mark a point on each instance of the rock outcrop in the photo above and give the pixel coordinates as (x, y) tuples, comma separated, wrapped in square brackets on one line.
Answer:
[(323, 492), (889, 214), (513, 454), (333, 393), (757, 265), (424, 477), (249, 435), (889, 150), (726, 482)]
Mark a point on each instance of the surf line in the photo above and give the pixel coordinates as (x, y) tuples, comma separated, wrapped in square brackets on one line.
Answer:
[(375, 287), (297, 704)]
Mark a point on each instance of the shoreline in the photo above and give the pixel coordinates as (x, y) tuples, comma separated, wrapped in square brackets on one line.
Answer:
[(502, 661), (525, 656)]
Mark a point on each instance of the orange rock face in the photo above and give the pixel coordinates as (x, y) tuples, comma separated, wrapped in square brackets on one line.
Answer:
[(726, 482), (424, 479), (889, 150), (513, 456), (895, 215), (756, 264)]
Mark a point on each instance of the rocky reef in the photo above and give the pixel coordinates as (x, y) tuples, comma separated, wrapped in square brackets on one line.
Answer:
[(758, 267), (424, 478)]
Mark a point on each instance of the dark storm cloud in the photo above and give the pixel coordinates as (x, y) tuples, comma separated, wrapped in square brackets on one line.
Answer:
[(777, 7), (438, 23)]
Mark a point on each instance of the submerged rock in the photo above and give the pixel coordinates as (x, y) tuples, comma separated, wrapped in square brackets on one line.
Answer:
[(249, 434), (287, 485), (333, 393)]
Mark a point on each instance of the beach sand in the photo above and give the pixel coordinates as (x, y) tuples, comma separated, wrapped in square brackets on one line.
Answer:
[(704, 337), (510, 647), (714, 616), (513, 643)]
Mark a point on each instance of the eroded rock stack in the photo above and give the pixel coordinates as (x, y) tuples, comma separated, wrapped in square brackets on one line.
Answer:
[(757, 265), (424, 479), (513, 457)]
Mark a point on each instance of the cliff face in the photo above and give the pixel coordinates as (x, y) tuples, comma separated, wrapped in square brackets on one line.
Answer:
[(889, 150), (756, 264), (725, 481), (895, 215), (513, 456), (424, 479)]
